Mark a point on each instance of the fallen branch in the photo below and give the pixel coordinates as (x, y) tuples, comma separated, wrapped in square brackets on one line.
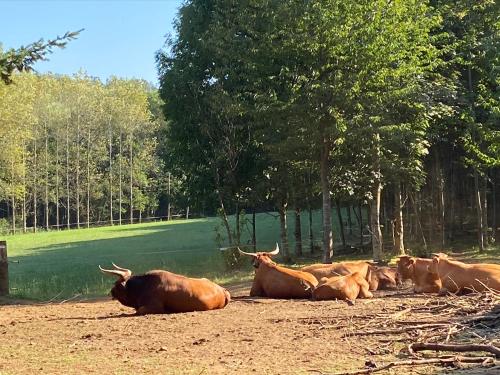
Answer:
[(416, 362), (418, 346), (398, 330)]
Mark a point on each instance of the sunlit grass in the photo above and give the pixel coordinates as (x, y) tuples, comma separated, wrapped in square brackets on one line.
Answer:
[(61, 264)]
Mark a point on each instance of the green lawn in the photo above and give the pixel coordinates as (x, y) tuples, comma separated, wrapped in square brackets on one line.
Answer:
[(59, 265)]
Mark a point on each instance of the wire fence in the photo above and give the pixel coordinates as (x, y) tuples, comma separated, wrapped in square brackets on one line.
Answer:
[(92, 224)]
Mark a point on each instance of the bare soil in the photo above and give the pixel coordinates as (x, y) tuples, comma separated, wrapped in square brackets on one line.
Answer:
[(260, 336)]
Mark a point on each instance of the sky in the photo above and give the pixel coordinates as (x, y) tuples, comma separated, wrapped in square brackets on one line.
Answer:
[(120, 37)]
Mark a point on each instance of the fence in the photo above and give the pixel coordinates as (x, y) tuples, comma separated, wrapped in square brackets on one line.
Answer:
[(96, 224)]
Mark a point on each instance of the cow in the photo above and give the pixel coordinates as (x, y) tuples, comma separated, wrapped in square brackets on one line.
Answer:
[(347, 287), (159, 291), (320, 270), (416, 269), (458, 277), (381, 278), (274, 281)]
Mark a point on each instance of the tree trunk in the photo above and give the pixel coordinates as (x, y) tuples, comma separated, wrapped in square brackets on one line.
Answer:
[(187, 213), (349, 219), (341, 224), (494, 211), (238, 222), (46, 178), (442, 217), (399, 248), (67, 177), (452, 205), (254, 234), (479, 211), (57, 181), (110, 174), (24, 187), (34, 186), (375, 203), (222, 207), (298, 233), (417, 221), (131, 182), (168, 206), (311, 235), (77, 172), (88, 177), (360, 225), (485, 210), (13, 197), (327, 205), (284, 232), (120, 180)]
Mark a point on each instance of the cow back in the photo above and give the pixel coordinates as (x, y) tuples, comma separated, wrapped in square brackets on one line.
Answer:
[(274, 281)]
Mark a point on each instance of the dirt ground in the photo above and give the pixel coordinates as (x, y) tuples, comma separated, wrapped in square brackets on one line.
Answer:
[(259, 336)]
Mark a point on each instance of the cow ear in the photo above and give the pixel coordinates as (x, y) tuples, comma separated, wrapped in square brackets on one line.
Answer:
[(411, 262)]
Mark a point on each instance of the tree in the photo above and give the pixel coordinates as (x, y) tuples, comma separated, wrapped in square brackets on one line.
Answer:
[(23, 58)]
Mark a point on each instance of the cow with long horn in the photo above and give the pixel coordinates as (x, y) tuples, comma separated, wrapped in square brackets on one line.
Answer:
[(274, 281), (158, 292)]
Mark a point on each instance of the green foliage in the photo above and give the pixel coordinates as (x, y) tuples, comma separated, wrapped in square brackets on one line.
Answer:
[(77, 141), (23, 58)]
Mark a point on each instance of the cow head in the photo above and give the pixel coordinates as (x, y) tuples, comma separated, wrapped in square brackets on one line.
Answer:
[(261, 257), (119, 291), (406, 266), (436, 258)]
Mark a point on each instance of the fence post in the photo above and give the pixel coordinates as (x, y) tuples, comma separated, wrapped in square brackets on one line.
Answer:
[(4, 269)]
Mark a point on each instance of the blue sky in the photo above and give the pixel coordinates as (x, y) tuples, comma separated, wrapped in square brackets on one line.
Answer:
[(120, 37)]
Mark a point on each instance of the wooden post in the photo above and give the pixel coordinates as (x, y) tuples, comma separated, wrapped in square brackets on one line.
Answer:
[(4, 269)]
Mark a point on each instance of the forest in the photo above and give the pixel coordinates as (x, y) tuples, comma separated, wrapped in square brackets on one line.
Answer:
[(77, 152), (389, 107)]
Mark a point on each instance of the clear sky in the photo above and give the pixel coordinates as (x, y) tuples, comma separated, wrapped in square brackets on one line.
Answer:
[(120, 37)]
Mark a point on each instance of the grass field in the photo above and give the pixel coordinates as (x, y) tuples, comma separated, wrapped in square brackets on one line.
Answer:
[(60, 265)]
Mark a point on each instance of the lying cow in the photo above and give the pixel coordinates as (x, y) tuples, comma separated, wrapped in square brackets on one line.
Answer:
[(321, 270), (459, 277), (347, 287), (275, 281), (381, 278), (158, 292), (416, 269)]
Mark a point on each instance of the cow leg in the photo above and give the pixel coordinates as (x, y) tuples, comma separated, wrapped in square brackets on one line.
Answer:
[(364, 289), (443, 292), (150, 309), (256, 291), (364, 292)]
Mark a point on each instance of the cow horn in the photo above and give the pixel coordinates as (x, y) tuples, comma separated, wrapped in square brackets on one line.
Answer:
[(122, 269), (121, 274), (275, 251), (242, 252)]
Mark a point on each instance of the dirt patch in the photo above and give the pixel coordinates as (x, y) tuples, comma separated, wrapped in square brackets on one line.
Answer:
[(260, 336)]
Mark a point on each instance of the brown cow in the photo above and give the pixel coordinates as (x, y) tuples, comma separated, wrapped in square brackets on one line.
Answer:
[(275, 281), (382, 278), (347, 287), (459, 277), (416, 269), (320, 270), (158, 292)]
